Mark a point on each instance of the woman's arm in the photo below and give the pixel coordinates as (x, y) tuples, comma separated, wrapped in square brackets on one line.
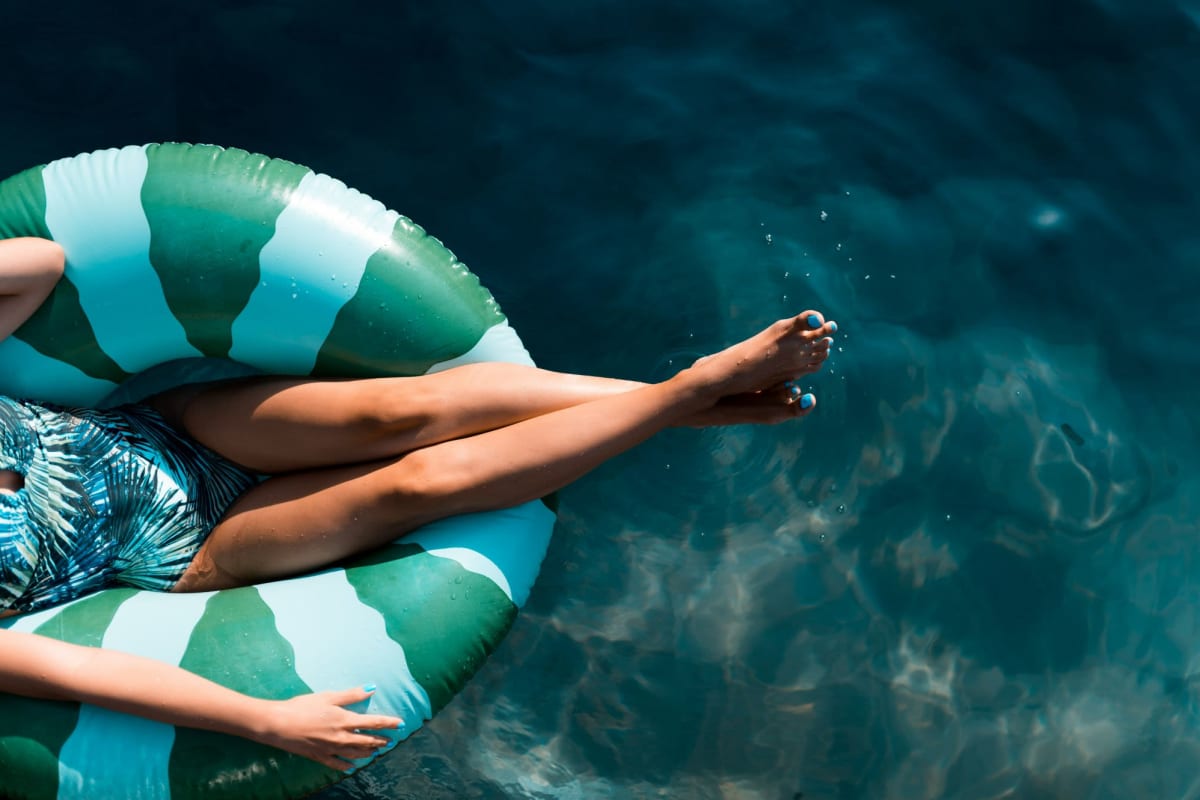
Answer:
[(315, 725), (29, 269)]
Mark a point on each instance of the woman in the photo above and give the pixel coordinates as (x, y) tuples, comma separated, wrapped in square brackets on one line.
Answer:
[(237, 482)]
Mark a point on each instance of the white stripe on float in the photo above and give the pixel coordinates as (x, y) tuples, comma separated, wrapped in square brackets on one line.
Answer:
[(28, 373), (498, 343), (94, 210), (341, 643), (505, 546), (118, 755), (310, 268)]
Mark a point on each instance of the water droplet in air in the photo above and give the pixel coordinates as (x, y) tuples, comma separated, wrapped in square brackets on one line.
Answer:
[(769, 238), (947, 518), (786, 274), (824, 216), (841, 509), (822, 537), (838, 247), (294, 295)]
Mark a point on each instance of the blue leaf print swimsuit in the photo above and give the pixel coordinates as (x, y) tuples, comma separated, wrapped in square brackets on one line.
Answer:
[(110, 497)]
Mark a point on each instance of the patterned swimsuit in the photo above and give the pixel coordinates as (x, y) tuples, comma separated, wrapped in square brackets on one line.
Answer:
[(110, 497)]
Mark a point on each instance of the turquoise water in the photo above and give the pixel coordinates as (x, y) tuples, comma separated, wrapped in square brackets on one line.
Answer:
[(971, 573)]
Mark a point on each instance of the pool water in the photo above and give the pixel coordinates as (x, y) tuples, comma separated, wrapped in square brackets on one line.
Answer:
[(972, 572)]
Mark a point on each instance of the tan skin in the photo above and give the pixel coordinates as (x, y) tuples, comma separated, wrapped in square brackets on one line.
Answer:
[(354, 464)]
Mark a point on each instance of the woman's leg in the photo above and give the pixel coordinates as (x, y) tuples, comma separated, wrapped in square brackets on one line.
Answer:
[(295, 523), (278, 425)]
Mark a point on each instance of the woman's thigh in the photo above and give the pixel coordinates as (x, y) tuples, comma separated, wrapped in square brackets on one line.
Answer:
[(295, 523), (277, 425)]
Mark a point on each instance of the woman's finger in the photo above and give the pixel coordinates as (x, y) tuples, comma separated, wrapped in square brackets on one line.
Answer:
[(348, 697), (351, 751), (374, 722), (374, 742)]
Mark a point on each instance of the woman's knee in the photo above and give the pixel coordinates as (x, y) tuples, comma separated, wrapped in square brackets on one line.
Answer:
[(434, 480)]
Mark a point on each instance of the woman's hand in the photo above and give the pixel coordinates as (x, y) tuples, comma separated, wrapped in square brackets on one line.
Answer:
[(317, 726), (29, 270), (313, 725)]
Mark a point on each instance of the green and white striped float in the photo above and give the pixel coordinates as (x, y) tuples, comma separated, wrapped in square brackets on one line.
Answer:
[(215, 261)]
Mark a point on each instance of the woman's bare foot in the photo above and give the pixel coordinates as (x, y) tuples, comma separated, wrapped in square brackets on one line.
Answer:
[(770, 406), (782, 352)]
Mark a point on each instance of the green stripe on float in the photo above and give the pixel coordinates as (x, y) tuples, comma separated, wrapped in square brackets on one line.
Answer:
[(23, 205), (59, 329), (237, 645), (85, 621), (435, 310), (32, 732), (448, 620), (211, 211)]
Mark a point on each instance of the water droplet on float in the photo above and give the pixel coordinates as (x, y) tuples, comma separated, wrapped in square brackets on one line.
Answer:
[(453, 596)]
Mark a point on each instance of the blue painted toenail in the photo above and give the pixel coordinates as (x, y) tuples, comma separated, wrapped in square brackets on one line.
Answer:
[(833, 327), (807, 400), (814, 321)]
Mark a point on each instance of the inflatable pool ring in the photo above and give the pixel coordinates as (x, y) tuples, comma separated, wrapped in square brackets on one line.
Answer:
[(188, 262)]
